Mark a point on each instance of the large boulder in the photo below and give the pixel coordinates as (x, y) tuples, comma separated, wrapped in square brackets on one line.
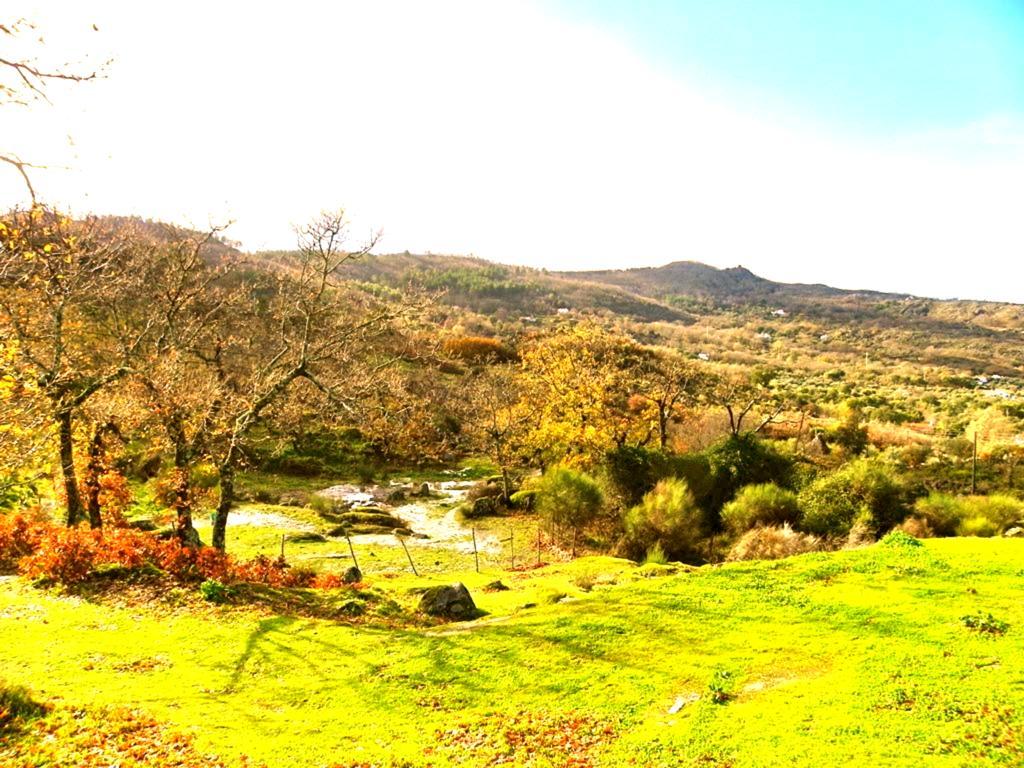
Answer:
[(451, 601)]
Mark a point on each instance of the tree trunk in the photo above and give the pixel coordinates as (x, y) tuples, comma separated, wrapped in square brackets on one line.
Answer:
[(92, 479), (67, 467), (506, 485), (226, 473), (663, 426), (184, 529)]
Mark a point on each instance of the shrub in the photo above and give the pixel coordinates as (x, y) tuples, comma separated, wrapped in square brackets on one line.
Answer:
[(979, 525), (969, 515), (567, 497), (214, 591), (64, 555), (773, 543), (744, 460), (478, 349), (899, 540), (917, 527), (656, 555), (941, 512), (985, 623), (833, 502), (669, 518), (523, 500), (18, 537), (760, 505)]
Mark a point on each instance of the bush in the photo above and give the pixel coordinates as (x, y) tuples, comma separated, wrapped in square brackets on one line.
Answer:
[(18, 537), (978, 525), (214, 591), (969, 515), (744, 460), (567, 497), (760, 505), (863, 488), (942, 512), (668, 518), (917, 527), (773, 543)]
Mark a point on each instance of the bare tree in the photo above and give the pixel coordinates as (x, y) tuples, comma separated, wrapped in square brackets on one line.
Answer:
[(26, 79)]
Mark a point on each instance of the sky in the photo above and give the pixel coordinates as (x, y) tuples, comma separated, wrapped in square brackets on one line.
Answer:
[(876, 144)]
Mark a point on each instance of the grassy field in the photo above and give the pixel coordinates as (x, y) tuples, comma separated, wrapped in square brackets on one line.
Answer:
[(851, 658)]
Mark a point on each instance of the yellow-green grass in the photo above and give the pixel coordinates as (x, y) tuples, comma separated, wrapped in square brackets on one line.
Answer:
[(849, 658)]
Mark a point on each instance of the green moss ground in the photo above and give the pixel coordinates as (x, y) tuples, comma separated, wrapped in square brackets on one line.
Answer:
[(850, 658)]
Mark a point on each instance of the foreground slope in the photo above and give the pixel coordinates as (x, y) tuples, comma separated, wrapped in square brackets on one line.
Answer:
[(857, 657)]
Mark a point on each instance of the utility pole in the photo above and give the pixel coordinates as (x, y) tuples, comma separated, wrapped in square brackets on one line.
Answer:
[(974, 466)]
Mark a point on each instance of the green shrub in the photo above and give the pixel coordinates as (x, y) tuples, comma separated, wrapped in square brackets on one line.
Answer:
[(773, 543), (632, 471), (979, 525), (523, 500), (941, 511), (969, 515), (763, 504), (567, 497), (669, 518), (899, 540), (863, 488), (214, 591), (744, 460), (985, 623)]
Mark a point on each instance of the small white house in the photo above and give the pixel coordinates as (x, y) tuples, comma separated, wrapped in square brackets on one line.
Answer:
[(703, 356), (563, 310), (780, 313)]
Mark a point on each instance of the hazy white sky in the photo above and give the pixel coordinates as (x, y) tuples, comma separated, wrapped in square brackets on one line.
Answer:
[(512, 131)]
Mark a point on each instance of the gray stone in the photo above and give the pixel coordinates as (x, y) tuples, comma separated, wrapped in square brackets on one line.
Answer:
[(352, 575), (451, 601)]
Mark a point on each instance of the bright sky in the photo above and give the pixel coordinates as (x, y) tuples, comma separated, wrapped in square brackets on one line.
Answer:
[(875, 144)]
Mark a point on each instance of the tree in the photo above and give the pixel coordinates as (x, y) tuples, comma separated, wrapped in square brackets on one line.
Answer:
[(580, 381), (500, 418), (24, 79), (304, 324), (667, 382), (750, 394), (67, 289), (189, 296), (566, 497)]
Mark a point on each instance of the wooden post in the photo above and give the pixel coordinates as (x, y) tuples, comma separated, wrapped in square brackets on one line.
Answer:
[(538, 545), (282, 547), (412, 565), (476, 555), (351, 551), (574, 531), (512, 547), (974, 466)]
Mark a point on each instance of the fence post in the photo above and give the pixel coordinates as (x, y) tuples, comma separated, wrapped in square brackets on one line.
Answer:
[(352, 551), (512, 546), (476, 555), (401, 540)]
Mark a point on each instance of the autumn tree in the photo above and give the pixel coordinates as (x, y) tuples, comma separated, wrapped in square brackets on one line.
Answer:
[(665, 383), (67, 290), (300, 324), (190, 293), (580, 381), (751, 399), (500, 417)]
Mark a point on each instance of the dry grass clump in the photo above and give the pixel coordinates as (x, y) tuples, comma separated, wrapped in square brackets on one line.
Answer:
[(773, 543), (917, 527)]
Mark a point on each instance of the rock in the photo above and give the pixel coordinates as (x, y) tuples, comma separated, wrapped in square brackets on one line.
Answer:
[(495, 586), (483, 507), (1014, 533), (396, 496), (352, 608), (143, 524), (352, 575), (452, 601), (293, 499), (424, 490), (306, 536)]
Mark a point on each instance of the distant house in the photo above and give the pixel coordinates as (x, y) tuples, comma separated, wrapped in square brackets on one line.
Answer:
[(780, 313), (764, 336), (563, 310), (703, 356)]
